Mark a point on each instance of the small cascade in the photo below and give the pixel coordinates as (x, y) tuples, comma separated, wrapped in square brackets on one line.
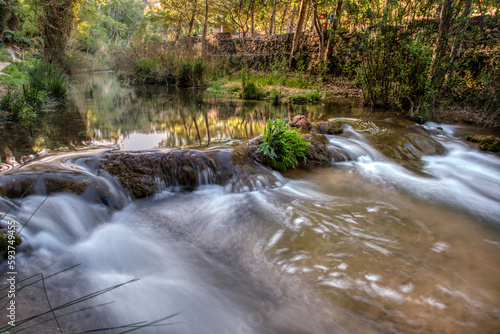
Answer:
[(148, 172), (353, 146), (448, 172)]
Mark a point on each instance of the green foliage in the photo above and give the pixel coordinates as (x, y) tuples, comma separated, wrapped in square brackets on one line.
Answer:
[(304, 98), (146, 71), (250, 91), (17, 37), (395, 72), (101, 23), (4, 55), (275, 95), (14, 77), (30, 85), (283, 145), (48, 78), (190, 72), (167, 68), (4, 243), (490, 144), (23, 105)]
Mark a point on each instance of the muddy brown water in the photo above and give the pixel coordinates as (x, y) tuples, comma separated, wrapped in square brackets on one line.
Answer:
[(397, 239)]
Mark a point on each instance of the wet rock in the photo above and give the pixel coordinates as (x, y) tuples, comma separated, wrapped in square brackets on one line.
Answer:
[(331, 128), (46, 179), (318, 153), (301, 122), (486, 143), (407, 148), (136, 171), (425, 130), (144, 173)]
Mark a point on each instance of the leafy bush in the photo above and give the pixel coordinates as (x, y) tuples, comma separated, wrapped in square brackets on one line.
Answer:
[(282, 144), (168, 68), (145, 71)]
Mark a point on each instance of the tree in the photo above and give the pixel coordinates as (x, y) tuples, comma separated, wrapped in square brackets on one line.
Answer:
[(438, 70), (272, 21), (298, 33), (239, 12), (56, 23), (204, 37), (193, 15)]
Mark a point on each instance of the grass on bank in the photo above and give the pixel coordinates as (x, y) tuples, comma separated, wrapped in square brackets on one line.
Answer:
[(31, 85)]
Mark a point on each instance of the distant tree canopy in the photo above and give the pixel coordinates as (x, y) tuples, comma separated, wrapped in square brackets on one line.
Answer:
[(92, 24)]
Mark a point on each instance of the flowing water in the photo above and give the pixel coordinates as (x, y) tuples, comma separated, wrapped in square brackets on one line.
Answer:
[(402, 237)]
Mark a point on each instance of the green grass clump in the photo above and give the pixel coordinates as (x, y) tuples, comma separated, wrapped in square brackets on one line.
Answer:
[(283, 145), (23, 104), (250, 91), (304, 98), (5, 56), (45, 77), (30, 85), (275, 95), (15, 76)]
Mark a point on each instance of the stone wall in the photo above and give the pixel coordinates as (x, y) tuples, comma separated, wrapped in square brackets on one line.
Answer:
[(262, 48), (483, 34)]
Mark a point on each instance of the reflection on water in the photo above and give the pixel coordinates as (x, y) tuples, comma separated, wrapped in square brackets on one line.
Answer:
[(169, 117), (105, 113), (60, 129)]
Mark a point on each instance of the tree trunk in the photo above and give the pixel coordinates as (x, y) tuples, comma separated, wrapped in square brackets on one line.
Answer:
[(386, 7), (456, 51), (57, 19), (283, 18), (179, 28), (252, 28), (319, 30), (298, 32), (292, 19), (438, 70), (191, 22), (273, 19), (204, 37), (252, 18)]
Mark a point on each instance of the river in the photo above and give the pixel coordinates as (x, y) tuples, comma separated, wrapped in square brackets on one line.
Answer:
[(393, 240)]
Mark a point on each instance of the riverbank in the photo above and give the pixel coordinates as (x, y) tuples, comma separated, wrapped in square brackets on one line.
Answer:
[(333, 89)]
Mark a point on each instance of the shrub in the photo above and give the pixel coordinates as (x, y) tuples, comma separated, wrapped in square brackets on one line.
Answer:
[(283, 145), (144, 71), (250, 91)]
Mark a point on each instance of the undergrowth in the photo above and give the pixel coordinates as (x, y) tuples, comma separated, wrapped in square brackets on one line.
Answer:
[(31, 86)]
